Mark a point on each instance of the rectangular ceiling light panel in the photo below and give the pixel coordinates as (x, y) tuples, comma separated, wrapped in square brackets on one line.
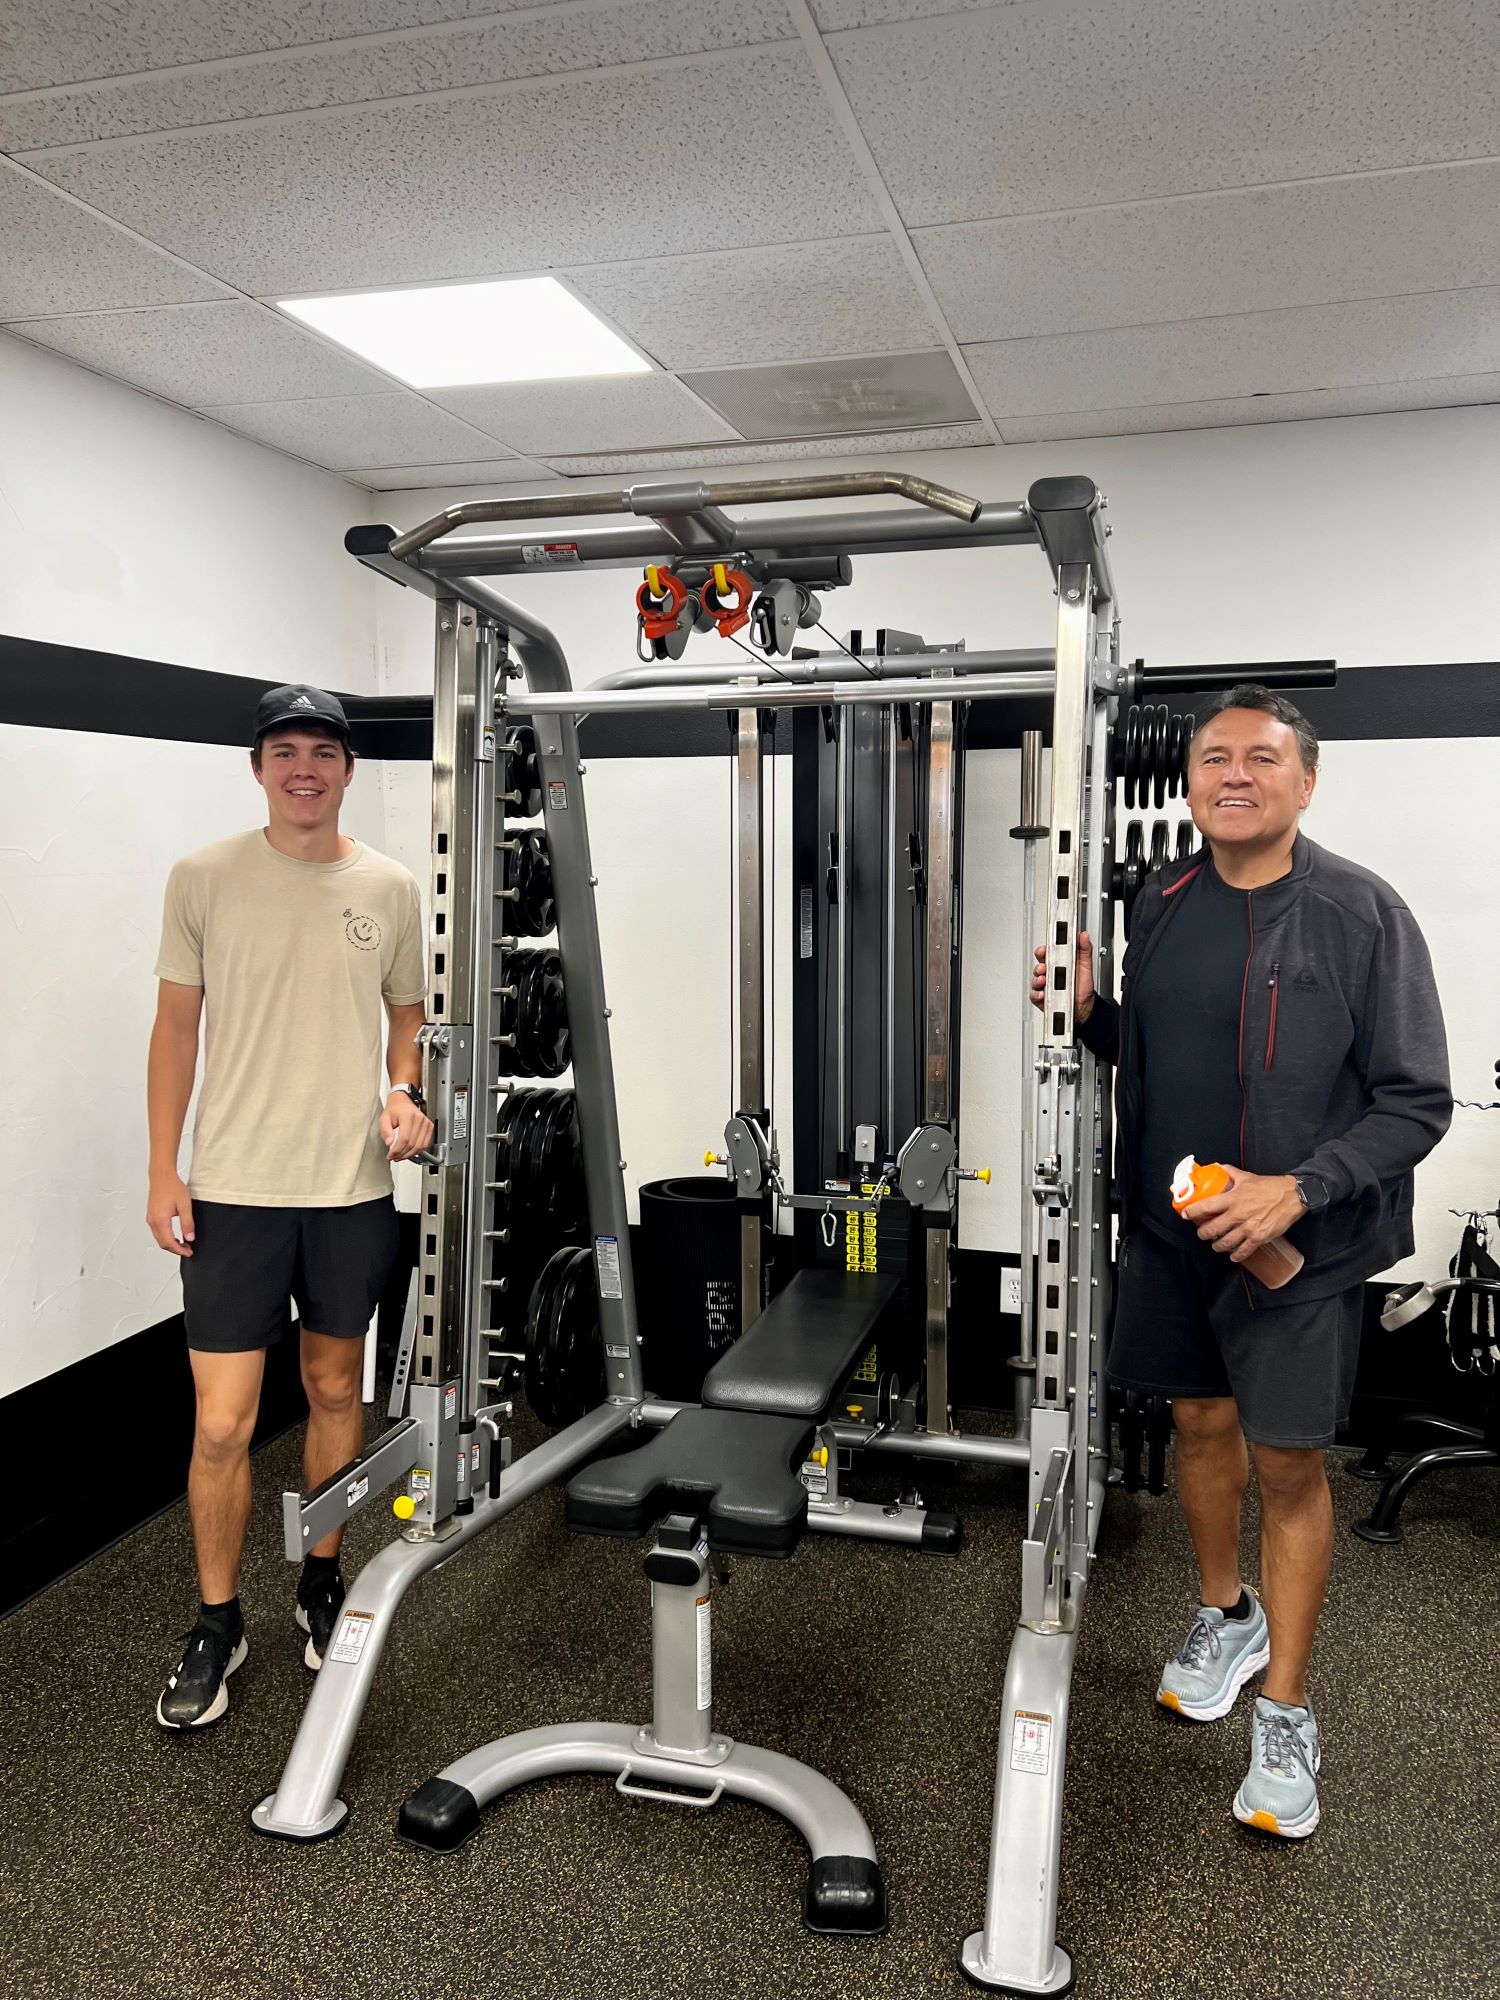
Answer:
[(879, 392), (439, 336)]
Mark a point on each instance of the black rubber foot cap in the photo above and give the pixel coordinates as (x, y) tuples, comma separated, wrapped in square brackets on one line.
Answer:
[(942, 1535), (1383, 1538), (439, 1816), (845, 1897)]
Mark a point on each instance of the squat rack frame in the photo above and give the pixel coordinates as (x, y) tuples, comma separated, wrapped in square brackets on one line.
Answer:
[(452, 1438)]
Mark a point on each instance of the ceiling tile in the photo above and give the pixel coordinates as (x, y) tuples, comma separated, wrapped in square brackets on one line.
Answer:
[(790, 303), (341, 431), (1311, 243), (598, 413), (1057, 106), (70, 39), (206, 354), (1304, 347), (832, 14), (487, 472), (818, 398), (447, 57), (546, 173), (947, 437), (54, 258), (1452, 392)]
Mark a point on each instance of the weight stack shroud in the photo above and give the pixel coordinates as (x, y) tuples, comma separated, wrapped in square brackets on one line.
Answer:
[(689, 1279)]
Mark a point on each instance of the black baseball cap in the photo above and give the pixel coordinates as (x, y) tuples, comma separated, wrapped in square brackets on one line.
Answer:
[(303, 708)]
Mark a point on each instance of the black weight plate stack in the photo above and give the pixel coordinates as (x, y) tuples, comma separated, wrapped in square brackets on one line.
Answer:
[(1131, 761), (564, 1344), (1189, 724), (1160, 737), (1185, 831), (1175, 767), (1133, 873), (532, 910), (523, 775), (1159, 848), (543, 1043)]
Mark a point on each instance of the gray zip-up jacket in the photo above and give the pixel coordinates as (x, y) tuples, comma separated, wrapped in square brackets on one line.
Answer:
[(1342, 1056)]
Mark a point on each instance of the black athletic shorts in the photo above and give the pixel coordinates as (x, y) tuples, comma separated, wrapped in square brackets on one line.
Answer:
[(249, 1263), (1184, 1327)]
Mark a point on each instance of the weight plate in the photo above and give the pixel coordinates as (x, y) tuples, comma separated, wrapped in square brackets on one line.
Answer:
[(538, 1363), (523, 773), (1185, 831), (1159, 738), (546, 1033), (533, 910), (1148, 757), (1174, 757), (577, 1341), (1189, 724), (1132, 758), (1159, 849)]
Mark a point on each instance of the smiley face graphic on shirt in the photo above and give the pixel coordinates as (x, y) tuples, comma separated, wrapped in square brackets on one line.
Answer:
[(362, 932)]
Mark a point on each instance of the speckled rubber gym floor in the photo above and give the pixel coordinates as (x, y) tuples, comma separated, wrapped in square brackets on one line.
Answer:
[(131, 1873)]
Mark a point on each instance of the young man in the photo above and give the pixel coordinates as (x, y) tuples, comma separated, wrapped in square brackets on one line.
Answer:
[(287, 940), (1278, 1014)]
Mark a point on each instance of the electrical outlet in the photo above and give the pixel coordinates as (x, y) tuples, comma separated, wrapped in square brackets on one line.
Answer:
[(1010, 1290)]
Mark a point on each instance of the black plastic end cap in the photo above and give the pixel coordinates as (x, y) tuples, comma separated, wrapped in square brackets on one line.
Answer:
[(942, 1535), (845, 1897), (1054, 496), (439, 1816), (373, 540), (1382, 1538)]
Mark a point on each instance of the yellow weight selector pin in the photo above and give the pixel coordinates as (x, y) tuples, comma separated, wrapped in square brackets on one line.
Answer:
[(403, 1506)]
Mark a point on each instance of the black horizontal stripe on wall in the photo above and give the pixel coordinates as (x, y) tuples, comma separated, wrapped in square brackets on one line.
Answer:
[(45, 686)]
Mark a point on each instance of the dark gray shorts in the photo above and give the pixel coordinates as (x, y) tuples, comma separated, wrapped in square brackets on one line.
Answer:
[(249, 1263), (1184, 1327)]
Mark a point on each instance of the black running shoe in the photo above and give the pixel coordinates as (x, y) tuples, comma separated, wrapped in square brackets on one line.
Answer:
[(197, 1693), (319, 1602)]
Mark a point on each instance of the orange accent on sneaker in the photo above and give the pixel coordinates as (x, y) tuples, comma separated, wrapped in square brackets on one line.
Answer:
[(1168, 1700), (1265, 1821)]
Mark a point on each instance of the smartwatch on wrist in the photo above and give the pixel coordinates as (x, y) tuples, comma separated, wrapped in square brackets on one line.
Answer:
[(414, 1092), (1311, 1191)]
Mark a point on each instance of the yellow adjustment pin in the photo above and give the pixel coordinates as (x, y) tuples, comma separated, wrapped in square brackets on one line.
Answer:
[(403, 1506), (982, 1174), (721, 580), (653, 578), (818, 1457)]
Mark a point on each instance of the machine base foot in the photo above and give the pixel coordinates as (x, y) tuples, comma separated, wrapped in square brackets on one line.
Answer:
[(970, 1965), (333, 1821), (439, 1816), (845, 1897), (1385, 1538), (942, 1535)]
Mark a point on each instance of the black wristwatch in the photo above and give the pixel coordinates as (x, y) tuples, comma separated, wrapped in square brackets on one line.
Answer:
[(1311, 1191), (414, 1092)]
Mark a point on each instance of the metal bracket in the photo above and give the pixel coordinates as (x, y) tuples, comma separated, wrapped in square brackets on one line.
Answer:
[(924, 1167), (750, 1155)]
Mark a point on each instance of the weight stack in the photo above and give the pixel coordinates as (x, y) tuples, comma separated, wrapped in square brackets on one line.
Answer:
[(689, 1280)]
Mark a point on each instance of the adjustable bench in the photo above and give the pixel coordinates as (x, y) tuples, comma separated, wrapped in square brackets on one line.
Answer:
[(724, 1478)]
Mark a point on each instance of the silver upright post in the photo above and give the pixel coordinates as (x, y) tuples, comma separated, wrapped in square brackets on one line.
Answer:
[(1028, 831), (938, 1087), (750, 920), (1017, 1949)]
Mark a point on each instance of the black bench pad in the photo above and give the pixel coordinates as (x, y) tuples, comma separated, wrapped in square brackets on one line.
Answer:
[(747, 1468), (793, 1358)]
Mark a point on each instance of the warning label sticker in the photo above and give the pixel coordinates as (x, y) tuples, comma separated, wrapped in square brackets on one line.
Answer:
[(705, 1655), (557, 796), (421, 1479), (355, 1628), (1030, 1742), (450, 1399), (355, 1491), (607, 1257), (549, 555)]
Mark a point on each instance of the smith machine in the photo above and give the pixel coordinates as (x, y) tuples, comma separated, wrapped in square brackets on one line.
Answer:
[(852, 1353)]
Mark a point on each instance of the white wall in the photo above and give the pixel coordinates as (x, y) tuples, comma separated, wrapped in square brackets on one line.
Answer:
[(133, 528), (1272, 541)]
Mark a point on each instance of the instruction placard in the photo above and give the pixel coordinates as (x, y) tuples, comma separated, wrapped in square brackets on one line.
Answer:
[(1030, 1742), (549, 555), (355, 1491), (705, 1654), (607, 1257), (355, 1628)]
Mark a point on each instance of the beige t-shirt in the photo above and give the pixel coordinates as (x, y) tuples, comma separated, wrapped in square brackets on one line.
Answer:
[(295, 959)]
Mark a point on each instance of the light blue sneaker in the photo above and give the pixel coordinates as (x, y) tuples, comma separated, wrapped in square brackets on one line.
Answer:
[(1280, 1792), (1203, 1679)]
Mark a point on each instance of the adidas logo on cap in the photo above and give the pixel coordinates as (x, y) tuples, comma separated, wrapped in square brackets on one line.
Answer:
[(302, 702)]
